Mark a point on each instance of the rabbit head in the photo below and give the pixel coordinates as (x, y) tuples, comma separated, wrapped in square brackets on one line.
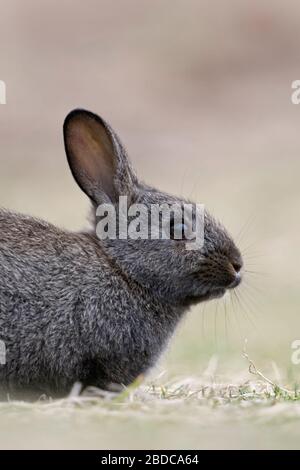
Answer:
[(164, 265)]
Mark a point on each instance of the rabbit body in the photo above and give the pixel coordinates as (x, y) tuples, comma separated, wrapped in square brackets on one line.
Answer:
[(67, 314)]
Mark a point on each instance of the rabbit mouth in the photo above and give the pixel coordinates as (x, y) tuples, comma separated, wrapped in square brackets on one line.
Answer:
[(215, 293)]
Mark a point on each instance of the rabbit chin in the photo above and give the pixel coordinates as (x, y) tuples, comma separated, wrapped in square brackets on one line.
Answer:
[(216, 293)]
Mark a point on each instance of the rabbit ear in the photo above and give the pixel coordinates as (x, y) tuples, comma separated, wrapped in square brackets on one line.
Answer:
[(97, 158)]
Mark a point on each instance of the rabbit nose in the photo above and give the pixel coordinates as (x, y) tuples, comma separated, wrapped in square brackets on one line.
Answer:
[(237, 266), (235, 269)]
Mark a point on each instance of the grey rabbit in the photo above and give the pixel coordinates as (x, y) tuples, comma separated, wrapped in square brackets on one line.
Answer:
[(74, 307)]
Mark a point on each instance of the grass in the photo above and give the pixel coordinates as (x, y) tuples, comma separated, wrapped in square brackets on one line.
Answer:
[(193, 412)]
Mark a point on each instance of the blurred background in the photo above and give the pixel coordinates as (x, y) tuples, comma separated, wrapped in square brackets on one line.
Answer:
[(200, 93)]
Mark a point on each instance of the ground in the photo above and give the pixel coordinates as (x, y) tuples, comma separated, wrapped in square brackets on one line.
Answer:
[(199, 413)]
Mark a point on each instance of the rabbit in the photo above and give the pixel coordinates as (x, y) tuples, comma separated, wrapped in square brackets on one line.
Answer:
[(77, 308)]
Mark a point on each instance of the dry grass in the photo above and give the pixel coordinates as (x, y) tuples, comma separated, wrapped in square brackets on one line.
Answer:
[(174, 413)]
